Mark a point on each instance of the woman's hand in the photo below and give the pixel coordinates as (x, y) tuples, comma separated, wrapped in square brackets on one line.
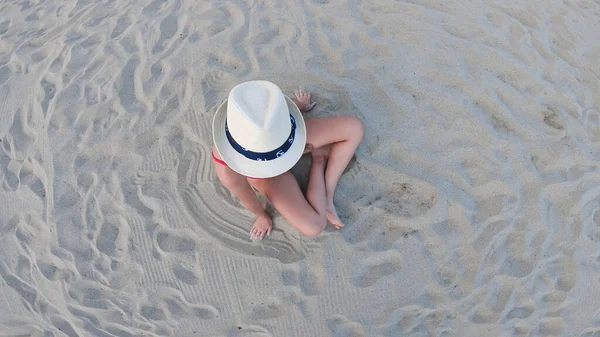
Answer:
[(302, 100), (261, 226)]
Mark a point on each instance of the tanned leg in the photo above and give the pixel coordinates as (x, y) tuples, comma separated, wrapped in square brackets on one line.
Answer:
[(307, 214), (343, 135)]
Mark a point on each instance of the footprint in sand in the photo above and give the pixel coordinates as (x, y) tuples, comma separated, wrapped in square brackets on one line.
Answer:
[(265, 32), (178, 306), (54, 270), (123, 23), (22, 135), (189, 274), (170, 241), (49, 90), (592, 332), (400, 198), (549, 326), (113, 239), (5, 74), (4, 26), (371, 269), (227, 63), (417, 321), (519, 305), (28, 236), (20, 167), (243, 330), (499, 291), (277, 305), (340, 326), (128, 89), (380, 207), (29, 173), (168, 28), (301, 281), (590, 118), (311, 278), (553, 120), (156, 7), (62, 324), (591, 220), (221, 216)]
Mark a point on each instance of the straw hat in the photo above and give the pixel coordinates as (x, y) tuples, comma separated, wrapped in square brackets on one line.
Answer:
[(258, 131)]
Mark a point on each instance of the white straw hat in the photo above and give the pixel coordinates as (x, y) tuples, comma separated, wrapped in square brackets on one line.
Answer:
[(258, 131)]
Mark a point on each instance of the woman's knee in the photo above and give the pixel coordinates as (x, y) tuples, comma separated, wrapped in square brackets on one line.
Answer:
[(311, 227), (312, 231), (356, 127)]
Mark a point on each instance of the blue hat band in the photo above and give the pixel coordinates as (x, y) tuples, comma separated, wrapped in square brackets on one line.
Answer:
[(264, 156)]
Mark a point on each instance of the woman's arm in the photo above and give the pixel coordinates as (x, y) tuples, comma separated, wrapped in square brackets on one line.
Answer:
[(238, 185)]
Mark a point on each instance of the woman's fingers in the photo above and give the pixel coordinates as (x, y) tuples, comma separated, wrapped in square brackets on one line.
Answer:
[(301, 94), (303, 98), (257, 234)]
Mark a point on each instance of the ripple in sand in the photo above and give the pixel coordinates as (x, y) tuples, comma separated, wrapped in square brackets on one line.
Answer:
[(221, 216)]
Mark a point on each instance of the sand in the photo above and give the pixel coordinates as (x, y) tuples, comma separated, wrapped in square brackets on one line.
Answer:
[(472, 208)]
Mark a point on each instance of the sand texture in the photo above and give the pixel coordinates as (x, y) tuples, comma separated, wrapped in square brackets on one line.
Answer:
[(472, 208)]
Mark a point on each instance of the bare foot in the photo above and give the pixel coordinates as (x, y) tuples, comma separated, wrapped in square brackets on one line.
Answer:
[(332, 216), (261, 226), (302, 100)]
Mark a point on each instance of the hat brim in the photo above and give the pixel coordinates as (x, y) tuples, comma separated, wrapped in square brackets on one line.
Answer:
[(253, 168)]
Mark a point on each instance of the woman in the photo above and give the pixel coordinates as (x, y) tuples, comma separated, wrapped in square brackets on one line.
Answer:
[(260, 134)]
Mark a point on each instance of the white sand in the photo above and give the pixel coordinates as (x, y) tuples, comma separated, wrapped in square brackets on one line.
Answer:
[(473, 208)]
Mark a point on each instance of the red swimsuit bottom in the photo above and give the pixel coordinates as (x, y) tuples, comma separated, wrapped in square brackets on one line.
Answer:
[(225, 164)]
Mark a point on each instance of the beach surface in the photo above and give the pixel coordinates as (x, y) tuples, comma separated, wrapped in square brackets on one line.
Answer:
[(472, 207)]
